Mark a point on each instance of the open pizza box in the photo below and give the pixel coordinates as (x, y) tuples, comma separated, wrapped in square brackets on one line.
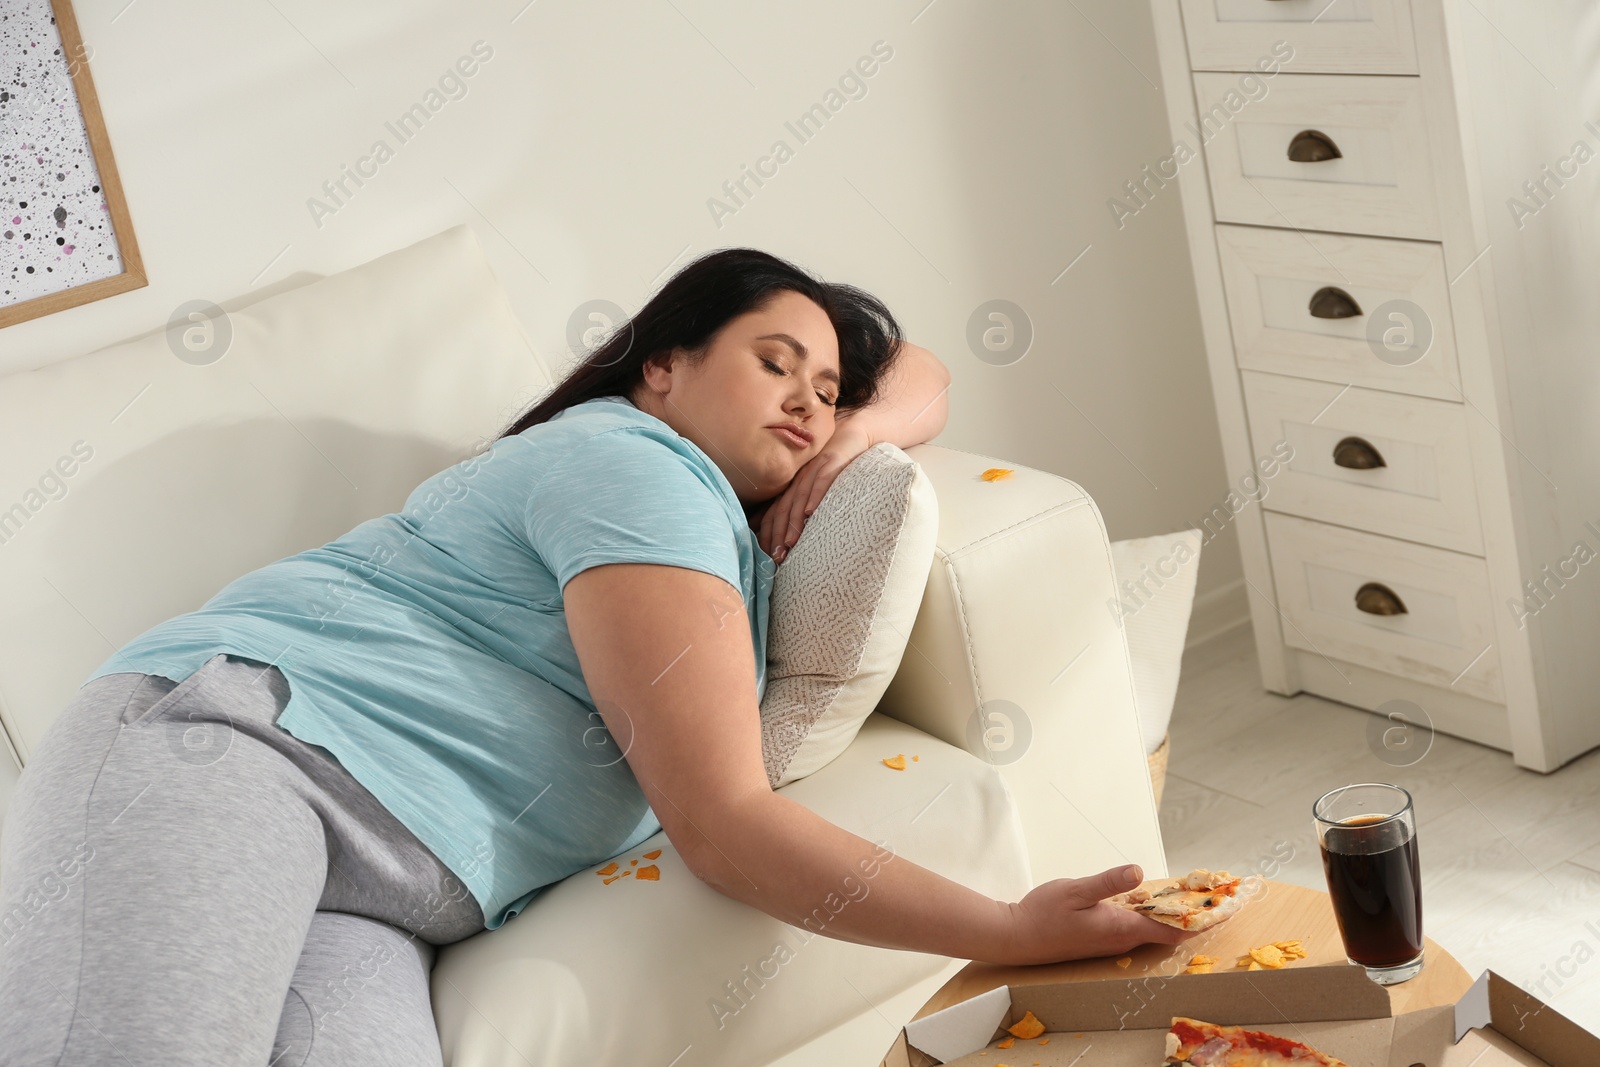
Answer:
[(1335, 1008)]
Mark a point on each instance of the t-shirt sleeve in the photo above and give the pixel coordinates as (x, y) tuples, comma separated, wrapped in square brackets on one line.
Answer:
[(622, 496)]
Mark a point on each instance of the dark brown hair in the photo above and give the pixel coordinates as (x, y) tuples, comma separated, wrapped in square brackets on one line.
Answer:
[(702, 298)]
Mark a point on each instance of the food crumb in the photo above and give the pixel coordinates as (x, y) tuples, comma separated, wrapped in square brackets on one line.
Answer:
[(1273, 955), (650, 873), (652, 854), (994, 474), (609, 868), (896, 762), (1007, 1043), (1046, 1041), (1125, 962), (1026, 1027), (915, 758)]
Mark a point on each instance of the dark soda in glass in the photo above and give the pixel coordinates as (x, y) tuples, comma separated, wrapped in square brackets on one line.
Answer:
[(1368, 837), (1371, 866)]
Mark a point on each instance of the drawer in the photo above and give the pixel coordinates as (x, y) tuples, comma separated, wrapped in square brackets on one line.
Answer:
[(1260, 153), (1422, 491), (1327, 36), (1444, 636), (1367, 311)]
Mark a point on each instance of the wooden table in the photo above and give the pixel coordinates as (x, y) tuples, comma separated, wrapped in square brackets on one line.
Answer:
[(1282, 912)]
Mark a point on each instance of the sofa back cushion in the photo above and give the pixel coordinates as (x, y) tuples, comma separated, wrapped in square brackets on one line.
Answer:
[(843, 604), (135, 482)]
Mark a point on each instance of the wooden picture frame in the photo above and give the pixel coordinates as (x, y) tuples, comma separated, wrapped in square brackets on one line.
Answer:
[(133, 274)]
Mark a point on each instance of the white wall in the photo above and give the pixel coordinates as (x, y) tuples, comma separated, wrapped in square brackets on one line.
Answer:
[(977, 165)]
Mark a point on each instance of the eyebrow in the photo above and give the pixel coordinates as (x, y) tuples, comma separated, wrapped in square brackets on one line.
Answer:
[(800, 350)]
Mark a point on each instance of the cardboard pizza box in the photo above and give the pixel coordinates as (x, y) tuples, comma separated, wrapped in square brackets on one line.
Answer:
[(1334, 1008)]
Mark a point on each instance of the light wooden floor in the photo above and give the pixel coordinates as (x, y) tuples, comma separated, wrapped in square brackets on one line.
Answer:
[(1510, 858)]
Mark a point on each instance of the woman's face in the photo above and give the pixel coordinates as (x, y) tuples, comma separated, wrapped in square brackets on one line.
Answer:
[(778, 365)]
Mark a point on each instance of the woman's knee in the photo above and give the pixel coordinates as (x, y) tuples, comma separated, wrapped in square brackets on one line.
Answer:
[(359, 994)]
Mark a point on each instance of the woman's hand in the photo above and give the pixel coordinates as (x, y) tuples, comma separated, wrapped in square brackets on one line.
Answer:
[(785, 515), (1070, 919)]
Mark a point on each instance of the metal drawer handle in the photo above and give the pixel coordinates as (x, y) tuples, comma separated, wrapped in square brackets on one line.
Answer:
[(1357, 454), (1375, 598), (1313, 146), (1331, 302)]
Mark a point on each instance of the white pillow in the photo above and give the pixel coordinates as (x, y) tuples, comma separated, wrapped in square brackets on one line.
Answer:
[(843, 604), (1155, 592)]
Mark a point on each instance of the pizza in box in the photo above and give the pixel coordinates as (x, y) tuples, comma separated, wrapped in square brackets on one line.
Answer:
[(1203, 1044)]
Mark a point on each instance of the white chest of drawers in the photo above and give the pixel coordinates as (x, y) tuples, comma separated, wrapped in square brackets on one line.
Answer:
[(1392, 210)]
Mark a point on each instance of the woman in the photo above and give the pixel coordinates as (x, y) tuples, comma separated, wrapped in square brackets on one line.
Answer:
[(244, 838)]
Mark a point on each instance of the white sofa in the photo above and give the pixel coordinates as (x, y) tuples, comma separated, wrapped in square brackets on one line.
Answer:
[(331, 402)]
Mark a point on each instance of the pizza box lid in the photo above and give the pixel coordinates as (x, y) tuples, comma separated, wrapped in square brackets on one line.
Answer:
[(1334, 1008)]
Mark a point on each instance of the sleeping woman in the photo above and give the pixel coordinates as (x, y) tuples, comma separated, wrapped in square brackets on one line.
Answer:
[(400, 738)]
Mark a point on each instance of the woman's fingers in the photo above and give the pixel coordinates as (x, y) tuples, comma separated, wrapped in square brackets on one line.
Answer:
[(1083, 892), (802, 490)]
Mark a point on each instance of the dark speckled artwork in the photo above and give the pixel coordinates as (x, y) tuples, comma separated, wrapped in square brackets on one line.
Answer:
[(55, 227)]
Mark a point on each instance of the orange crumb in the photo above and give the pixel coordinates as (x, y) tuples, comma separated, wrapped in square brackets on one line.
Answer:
[(915, 758), (1007, 1043), (1124, 962), (896, 762), (652, 854), (613, 878), (994, 474), (652, 873), (1026, 1027), (632, 862), (609, 868), (1046, 1041)]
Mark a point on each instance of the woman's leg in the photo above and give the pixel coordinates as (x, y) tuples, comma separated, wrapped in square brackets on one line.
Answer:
[(157, 880), (359, 998)]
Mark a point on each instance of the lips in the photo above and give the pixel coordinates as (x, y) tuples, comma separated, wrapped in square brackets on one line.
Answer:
[(799, 438)]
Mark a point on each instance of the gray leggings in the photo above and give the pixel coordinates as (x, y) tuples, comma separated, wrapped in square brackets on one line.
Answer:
[(182, 882)]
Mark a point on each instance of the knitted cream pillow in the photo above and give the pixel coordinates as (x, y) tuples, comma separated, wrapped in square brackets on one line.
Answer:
[(843, 604)]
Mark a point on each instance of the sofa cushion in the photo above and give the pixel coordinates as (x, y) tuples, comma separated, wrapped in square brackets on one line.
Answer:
[(636, 971), (843, 604), (1155, 594), (135, 483)]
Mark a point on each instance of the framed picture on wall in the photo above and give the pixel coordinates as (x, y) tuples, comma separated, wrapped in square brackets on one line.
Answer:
[(66, 237)]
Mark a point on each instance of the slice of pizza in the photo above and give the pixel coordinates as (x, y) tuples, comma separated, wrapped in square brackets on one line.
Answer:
[(1198, 901), (1192, 1043)]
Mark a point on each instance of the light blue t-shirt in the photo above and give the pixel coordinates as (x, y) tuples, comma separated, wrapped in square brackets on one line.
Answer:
[(428, 649)]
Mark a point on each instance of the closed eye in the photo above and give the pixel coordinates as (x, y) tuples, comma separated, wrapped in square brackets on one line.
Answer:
[(774, 368)]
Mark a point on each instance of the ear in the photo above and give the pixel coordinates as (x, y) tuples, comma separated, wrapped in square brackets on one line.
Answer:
[(657, 371)]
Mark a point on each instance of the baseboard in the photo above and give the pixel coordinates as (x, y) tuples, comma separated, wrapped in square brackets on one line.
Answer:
[(1217, 611)]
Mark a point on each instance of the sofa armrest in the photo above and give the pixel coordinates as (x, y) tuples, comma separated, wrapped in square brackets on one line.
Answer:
[(1016, 636)]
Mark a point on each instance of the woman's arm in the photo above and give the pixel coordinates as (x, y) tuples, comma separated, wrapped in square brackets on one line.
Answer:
[(913, 403), (667, 658)]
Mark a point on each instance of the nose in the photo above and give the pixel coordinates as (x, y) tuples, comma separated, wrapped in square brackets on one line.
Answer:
[(805, 404)]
